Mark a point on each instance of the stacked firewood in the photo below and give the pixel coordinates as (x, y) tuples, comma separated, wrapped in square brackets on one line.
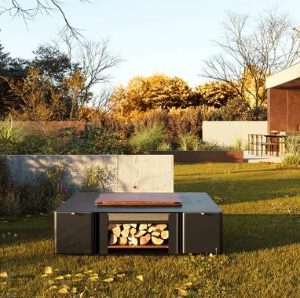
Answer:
[(138, 234)]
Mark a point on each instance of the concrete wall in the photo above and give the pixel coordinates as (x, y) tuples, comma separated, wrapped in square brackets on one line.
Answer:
[(283, 110), (228, 132), (130, 173)]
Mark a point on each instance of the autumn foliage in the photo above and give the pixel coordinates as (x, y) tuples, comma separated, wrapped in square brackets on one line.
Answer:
[(156, 91)]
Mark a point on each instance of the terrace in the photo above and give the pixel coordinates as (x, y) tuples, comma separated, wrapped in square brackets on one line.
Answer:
[(283, 113)]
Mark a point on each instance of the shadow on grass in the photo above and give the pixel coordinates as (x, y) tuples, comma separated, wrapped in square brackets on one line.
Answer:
[(256, 231), (27, 229), (236, 191)]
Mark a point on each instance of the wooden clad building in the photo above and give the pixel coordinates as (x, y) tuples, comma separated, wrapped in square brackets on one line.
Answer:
[(284, 100)]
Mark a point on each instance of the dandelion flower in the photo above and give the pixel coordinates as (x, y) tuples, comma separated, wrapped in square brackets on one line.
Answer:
[(3, 274), (48, 270)]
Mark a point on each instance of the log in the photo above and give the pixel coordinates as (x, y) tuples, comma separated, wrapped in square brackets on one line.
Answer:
[(113, 239), (126, 226), (123, 240), (140, 233), (132, 240), (125, 233), (143, 227), (145, 239), (132, 231), (164, 234), (155, 233), (151, 229), (116, 231), (161, 227), (157, 241)]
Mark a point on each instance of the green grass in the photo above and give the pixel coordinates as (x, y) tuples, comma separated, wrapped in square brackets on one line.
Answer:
[(261, 204)]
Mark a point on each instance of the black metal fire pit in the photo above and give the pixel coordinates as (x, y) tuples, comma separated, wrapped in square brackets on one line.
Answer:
[(192, 225)]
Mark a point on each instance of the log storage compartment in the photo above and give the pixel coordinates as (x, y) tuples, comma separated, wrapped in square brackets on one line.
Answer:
[(138, 235), (87, 223)]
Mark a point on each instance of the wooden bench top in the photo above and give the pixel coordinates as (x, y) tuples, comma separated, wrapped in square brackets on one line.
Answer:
[(138, 199)]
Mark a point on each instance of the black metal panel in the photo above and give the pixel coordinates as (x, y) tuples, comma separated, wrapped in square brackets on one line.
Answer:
[(202, 233), (173, 233), (74, 233), (103, 233)]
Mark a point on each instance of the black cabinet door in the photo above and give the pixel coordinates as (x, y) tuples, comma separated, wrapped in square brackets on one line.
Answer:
[(74, 232), (202, 233)]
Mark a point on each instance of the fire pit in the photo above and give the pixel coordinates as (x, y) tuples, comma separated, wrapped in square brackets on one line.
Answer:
[(173, 223)]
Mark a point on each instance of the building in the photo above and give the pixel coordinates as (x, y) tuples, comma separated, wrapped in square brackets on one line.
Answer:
[(284, 100)]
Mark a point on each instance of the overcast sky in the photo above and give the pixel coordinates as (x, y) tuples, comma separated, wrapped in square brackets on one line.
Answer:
[(157, 36)]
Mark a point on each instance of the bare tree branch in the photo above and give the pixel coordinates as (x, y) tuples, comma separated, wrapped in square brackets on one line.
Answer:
[(28, 12), (250, 53), (95, 62)]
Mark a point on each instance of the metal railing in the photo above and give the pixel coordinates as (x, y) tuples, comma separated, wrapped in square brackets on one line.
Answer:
[(269, 144)]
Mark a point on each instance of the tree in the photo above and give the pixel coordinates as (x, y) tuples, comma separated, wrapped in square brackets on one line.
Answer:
[(73, 81), (21, 8), (9, 68), (40, 99), (215, 93), (156, 91), (248, 54), (95, 63), (236, 109), (4, 59), (52, 63), (73, 86), (57, 69)]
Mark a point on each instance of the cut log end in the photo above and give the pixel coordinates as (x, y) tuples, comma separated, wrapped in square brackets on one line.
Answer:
[(156, 240), (164, 234), (113, 239), (145, 239)]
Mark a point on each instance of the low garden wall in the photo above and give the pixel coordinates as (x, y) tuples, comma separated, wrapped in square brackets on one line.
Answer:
[(130, 173), (204, 156), (229, 133)]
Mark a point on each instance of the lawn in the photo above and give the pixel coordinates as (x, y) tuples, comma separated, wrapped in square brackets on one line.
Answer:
[(261, 204)]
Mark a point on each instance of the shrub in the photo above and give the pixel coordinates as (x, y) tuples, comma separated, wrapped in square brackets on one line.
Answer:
[(149, 118), (98, 141), (292, 159), (4, 176), (9, 201), (186, 121), (293, 144), (188, 142), (208, 146), (98, 179), (292, 150), (235, 109), (164, 146), (44, 196), (147, 138), (11, 135), (37, 144), (239, 144)]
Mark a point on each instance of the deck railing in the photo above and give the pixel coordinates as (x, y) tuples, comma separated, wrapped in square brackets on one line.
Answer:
[(269, 144)]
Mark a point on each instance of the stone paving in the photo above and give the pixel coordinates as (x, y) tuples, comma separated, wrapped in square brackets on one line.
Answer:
[(264, 158)]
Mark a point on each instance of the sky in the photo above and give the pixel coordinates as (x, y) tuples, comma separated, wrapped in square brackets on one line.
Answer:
[(173, 37)]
